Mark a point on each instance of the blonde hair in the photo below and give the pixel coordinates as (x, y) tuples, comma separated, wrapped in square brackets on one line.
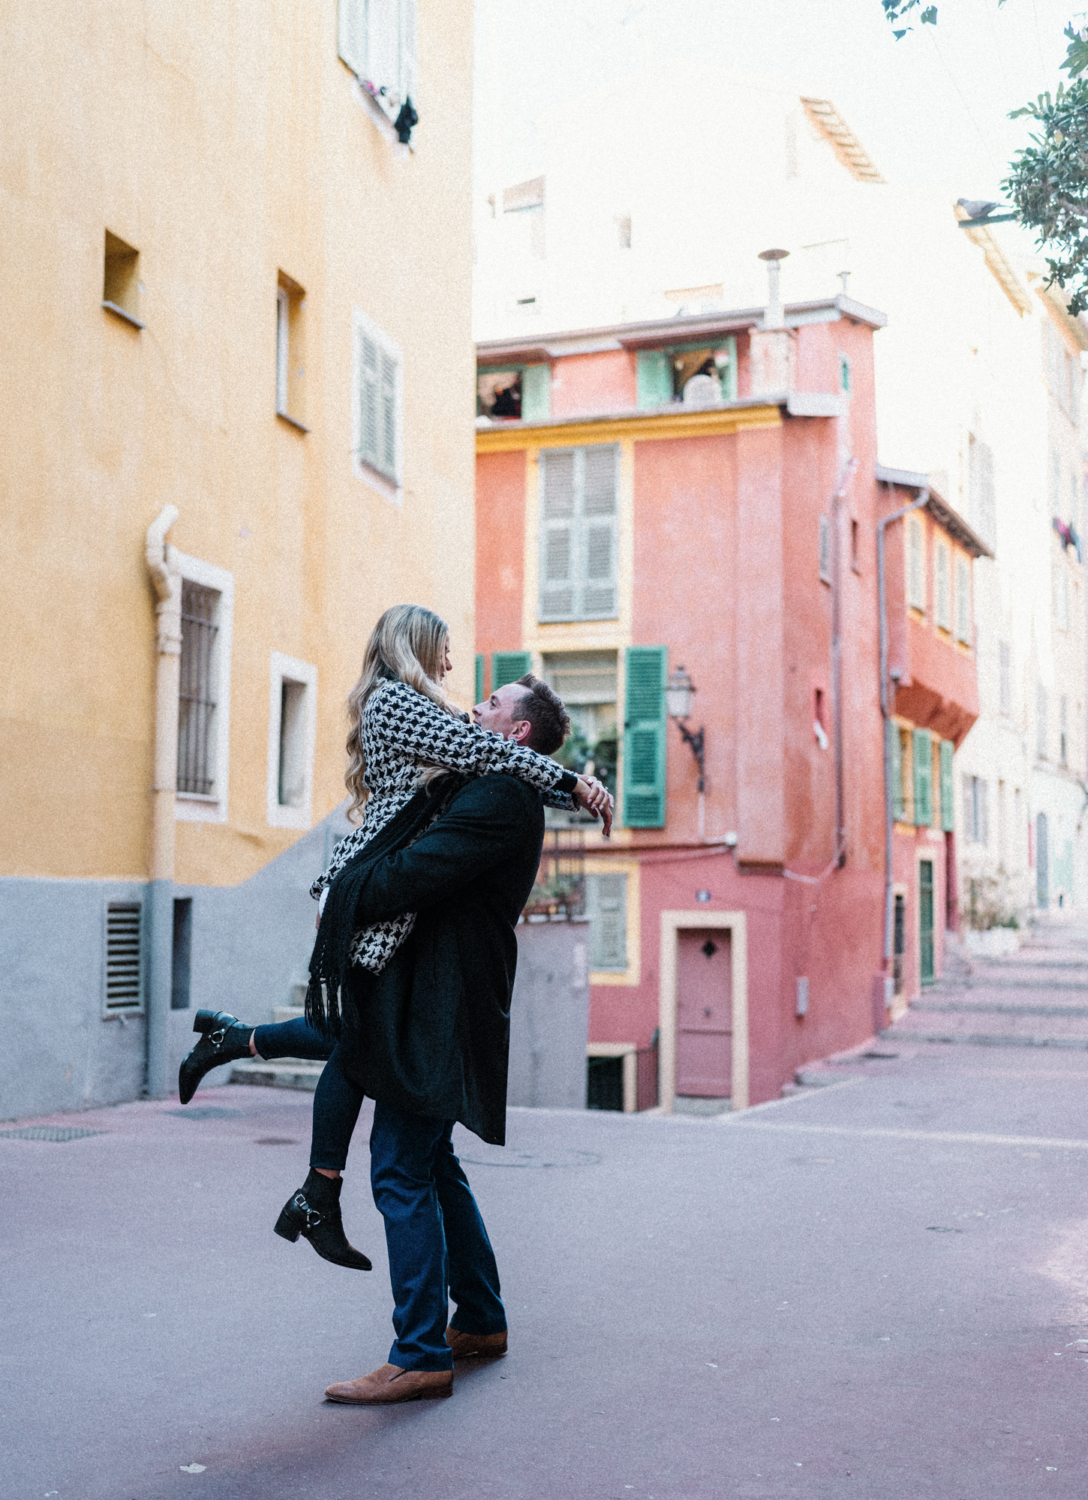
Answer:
[(409, 644)]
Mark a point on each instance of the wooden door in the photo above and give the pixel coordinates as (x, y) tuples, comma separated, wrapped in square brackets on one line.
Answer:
[(704, 1012)]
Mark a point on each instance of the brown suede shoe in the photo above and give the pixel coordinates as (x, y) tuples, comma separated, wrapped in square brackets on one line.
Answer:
[(476, 1345), (390, 1384)]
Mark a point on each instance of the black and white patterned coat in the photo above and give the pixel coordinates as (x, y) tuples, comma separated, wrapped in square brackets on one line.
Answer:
[(404, 732)]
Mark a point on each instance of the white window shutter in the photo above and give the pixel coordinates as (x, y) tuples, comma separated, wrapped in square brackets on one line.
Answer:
[(598, 553), (351, 34), (825, 549), (383, 31), (368, 400), (387, 460), (963, 602), (409, 51), (557, 521)]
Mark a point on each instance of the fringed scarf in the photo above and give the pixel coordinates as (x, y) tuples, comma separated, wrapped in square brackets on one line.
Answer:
[(330, 961)]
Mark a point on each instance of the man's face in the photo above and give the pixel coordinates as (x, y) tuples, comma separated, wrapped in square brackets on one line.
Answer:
[(501, 713)]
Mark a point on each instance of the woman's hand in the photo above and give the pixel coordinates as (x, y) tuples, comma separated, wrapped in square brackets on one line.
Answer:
[(594, 797)]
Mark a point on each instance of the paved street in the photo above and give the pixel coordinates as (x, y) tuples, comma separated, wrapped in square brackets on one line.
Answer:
[(877, 1288)]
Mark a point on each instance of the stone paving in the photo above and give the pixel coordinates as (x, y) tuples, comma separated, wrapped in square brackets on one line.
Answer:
[(876, 1289)]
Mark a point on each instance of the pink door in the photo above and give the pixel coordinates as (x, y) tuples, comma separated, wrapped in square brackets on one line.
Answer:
[(704, 1013)]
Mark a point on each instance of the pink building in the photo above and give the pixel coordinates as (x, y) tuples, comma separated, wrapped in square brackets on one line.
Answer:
[(694, 503)]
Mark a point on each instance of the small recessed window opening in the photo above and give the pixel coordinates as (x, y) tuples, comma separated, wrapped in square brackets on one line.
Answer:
[(182, 951), (198, 690), (291, 732), (825, 549), (844, 373), (498, 394), (290, 367), (120, 281), (855, 546), (623, 231)]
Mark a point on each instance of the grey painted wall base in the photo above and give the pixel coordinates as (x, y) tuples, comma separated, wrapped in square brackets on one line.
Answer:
[(549, 1016), (251, 944)]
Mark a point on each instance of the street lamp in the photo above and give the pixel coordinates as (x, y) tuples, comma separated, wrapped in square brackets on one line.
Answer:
[(679, 693)]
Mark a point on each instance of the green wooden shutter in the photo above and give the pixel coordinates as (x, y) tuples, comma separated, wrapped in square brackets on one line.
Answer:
[(479, 678), (728, 373), (948, 820), (644, 739), (536, 393), (896, 746), (923, 778), (508, 666), (654, 377)]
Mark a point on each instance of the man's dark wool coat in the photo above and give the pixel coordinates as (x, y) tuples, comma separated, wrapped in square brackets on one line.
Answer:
[(430, 1034)]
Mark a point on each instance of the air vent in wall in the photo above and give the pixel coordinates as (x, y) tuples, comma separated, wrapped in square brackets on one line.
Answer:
[(124, 990)]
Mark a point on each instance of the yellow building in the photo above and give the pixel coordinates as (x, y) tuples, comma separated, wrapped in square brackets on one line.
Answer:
[(237, 293)]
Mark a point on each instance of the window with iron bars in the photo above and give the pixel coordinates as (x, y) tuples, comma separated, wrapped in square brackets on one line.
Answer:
[(197, 693)]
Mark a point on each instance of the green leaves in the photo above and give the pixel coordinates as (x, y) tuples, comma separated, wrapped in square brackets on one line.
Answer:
[(1048, 184), (896, 10)]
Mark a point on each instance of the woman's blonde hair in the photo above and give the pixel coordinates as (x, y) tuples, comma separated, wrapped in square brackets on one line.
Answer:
[(408, 643)]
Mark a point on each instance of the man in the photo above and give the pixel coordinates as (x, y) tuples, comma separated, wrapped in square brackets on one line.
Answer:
[(428, 1040)]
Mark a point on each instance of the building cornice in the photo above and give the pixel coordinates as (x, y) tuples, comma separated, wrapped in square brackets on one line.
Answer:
[(938, 508), (669, 422)]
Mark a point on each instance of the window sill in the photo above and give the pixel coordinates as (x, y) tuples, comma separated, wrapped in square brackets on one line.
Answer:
[(126, 317), (191, 807), (390, 488), (292, 421), (381, 120)]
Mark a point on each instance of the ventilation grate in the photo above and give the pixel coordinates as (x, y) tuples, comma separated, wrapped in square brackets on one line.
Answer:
[(123, 987), (48, 1133)]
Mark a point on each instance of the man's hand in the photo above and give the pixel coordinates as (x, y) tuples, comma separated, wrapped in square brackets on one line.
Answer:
[(594, 797)]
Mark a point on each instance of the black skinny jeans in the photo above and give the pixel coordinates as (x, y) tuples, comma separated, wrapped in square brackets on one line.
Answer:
[(337, 1101)]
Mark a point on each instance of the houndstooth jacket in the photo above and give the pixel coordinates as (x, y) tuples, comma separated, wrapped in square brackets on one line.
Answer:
[(403, 733)]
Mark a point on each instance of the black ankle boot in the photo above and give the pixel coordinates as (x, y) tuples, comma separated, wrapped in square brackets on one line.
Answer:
[(314, 1211), (225, 1040)]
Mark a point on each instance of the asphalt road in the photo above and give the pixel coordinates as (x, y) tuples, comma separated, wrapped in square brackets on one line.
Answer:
[(876, 1289)]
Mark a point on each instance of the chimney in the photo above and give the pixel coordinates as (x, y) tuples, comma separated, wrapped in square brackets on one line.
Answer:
[(771, 346)]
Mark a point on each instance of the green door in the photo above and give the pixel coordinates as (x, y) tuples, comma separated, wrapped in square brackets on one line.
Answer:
[(925, 920)]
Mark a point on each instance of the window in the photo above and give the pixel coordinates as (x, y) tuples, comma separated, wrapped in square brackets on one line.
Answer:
[(578, 533), (1060, 591), (942, 604), (916, 563), (587, 683), (963, 601), (290, 300), (377, 40), (623, 231), (902, 789), (606, 908), (976, 821), (123, 982), (292, 723), (377, 404), (948, 813), (923, 777), (980, 484), (518, 393), (664, 374), (181, 955), (207, 611), (1004, 678), (844, 373), (855, 552), (523, 233), (824, 546), (1041, 735), (120, 281), (1063, 730)]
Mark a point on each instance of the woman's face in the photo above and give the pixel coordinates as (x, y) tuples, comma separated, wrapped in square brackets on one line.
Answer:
[(446, 665)]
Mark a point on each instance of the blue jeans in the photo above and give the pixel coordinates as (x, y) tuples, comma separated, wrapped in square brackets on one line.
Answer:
[(337, 1101), (438, 1246)]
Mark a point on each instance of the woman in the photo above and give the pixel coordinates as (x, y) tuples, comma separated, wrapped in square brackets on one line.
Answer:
[(404, 735)]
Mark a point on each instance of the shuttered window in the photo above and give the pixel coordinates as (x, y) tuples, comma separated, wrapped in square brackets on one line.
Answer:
[(579, 533), (197, 738), (377, 40), (508, 666), (948, 815), (916, 564), (606, 908), (536, 393), (644, 741), (923, 778), (654, 378), (825, 549), (479, 678), (942, 586), (377, 417), (963, 601), (895, 747), (124, 957)]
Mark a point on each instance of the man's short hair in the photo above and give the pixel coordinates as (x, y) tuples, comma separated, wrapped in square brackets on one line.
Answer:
[(545, 712)]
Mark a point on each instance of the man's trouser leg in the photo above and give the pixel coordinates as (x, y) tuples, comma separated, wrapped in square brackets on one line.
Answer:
[(473, 1274)]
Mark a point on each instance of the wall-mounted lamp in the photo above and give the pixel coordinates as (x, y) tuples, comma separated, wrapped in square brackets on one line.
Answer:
[(679, 695)]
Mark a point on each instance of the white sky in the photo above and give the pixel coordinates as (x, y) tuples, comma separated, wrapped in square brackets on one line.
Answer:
[(931, 110)]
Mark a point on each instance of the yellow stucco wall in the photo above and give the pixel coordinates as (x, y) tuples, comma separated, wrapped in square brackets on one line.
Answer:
[(224, 141)]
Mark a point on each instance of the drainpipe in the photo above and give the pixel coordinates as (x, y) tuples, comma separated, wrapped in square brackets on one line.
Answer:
[(162, 565), (886, 714)]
